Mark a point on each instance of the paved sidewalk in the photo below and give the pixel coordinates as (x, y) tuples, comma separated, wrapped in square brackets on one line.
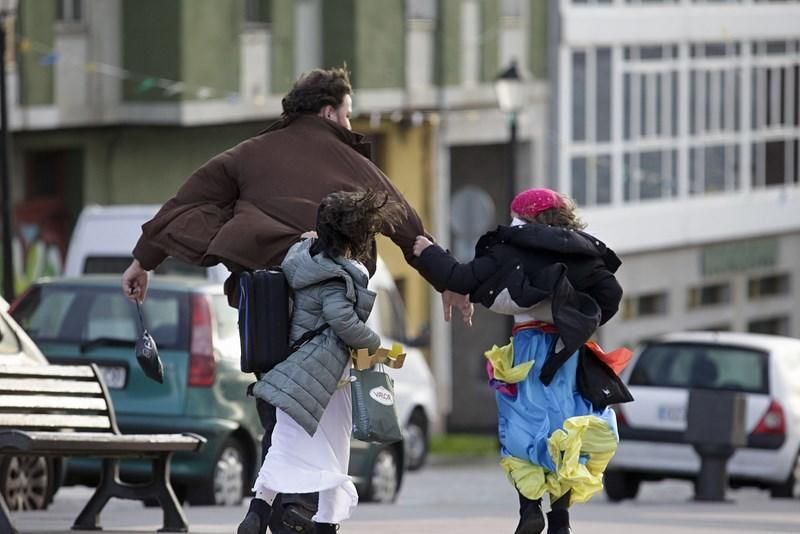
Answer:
[(472, 499)]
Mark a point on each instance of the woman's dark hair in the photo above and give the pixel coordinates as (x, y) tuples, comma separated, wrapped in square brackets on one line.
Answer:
[(347, 222), (316, 89)]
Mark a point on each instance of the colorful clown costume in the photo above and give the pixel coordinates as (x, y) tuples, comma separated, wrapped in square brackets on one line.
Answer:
[(552, 439)]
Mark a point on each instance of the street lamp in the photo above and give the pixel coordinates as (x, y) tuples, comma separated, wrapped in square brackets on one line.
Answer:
[(511, 98), (6, 8)]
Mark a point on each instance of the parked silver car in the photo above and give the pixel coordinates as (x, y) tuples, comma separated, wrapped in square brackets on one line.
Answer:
[(26, 482)]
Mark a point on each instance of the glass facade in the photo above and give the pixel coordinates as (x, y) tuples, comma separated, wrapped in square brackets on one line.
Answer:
[(681, 119)]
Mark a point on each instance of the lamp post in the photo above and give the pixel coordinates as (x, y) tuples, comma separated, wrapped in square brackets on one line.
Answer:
[(510, 91), (5, 178)]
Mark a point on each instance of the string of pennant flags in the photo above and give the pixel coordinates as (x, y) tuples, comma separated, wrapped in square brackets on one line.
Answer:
[(143, 83), (47, 57)]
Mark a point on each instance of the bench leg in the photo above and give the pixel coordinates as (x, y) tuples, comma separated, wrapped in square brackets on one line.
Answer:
[(89, 518), (174, 520), (158, 488), (5, 518)]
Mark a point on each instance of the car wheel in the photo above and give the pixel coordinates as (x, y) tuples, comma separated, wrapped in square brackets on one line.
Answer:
[(384, 477), (620, 485), (416, 440), (790, 488), (26, 482), (226, 486)]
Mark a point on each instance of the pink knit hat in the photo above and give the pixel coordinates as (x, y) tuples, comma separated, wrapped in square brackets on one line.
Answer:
[(532, 202)]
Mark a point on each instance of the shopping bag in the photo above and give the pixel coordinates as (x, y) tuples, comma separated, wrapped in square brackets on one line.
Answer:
[(374, 414), (147, 352)]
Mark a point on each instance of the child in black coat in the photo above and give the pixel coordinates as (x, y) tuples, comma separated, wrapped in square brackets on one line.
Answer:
[(558, 282)]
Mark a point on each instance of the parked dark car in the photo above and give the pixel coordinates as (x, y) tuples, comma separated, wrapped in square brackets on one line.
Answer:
[(88, 319)]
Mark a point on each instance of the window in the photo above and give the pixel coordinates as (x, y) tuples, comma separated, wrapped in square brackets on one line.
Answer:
[(389, 306), (420, 9), (713, 168), (227, 318), (718, 327), (307, 35), (510, 8), (775, 113), (117, 264), (471, 28), (690, 365), (650, 174), (768, 286), (648, 305), (776, 326), (257, 11), (82, 313), (69, 10), (709, 295), (9, 344)]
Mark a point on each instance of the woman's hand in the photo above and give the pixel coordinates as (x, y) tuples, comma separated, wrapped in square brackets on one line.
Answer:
[(135, 281), (420, 244), (311, 234)]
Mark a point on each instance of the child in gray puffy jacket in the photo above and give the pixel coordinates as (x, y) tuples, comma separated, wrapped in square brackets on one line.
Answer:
[(310, 449)]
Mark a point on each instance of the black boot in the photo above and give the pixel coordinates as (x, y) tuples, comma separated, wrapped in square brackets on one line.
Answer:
[(257, 518), (531, 519), (324, 528), (558, 521)]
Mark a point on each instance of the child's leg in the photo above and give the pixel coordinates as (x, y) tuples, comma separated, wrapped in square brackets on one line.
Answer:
[(329, 500), (558, 516), (531, 520), (257, 518)]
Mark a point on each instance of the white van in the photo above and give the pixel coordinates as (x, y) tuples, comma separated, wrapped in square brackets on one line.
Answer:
[(105, 236)]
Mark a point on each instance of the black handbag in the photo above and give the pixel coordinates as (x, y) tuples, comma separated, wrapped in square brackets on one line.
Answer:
[(147, 352), (264, 313), (598, 383)]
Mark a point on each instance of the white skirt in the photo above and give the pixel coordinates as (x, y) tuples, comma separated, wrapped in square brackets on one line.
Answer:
[(299, 463)]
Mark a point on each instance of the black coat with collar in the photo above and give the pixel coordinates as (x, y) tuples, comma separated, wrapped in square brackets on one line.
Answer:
[(535, 262)]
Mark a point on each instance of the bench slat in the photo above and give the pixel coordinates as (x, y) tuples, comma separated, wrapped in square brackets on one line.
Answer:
[(45, 385), (75, 371), (54, 421), (87, 443), (41, 402)]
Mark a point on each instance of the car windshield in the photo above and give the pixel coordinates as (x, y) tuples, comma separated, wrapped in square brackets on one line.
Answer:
[(708, 366), (117, 264), (94, 316)]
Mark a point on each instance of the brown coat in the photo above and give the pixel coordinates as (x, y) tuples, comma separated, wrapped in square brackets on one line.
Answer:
[(247, 206)]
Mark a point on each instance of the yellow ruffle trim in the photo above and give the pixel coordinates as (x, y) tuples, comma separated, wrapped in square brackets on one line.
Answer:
[(502, 359), (588, 435)]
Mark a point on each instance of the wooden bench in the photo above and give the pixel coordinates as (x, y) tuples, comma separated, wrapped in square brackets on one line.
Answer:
[(65, 410)]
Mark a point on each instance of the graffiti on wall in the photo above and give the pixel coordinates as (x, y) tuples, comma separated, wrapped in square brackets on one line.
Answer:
[(39, 242), (34, 256)]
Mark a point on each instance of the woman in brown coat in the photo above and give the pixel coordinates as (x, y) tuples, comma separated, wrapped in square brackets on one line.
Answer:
[(247, 206)]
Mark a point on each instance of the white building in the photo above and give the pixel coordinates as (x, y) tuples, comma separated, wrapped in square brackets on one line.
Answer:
[(678, 132)]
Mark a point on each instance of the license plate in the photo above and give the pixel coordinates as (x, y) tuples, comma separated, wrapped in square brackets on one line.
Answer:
[(114, 377), (672, 413)]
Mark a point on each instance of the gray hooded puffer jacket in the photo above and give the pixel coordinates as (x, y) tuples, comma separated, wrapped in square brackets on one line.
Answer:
[(326, 290)]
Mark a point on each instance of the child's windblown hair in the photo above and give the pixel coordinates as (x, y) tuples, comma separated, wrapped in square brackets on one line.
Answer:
[(545, 206), (347, 222), (564, 215)]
